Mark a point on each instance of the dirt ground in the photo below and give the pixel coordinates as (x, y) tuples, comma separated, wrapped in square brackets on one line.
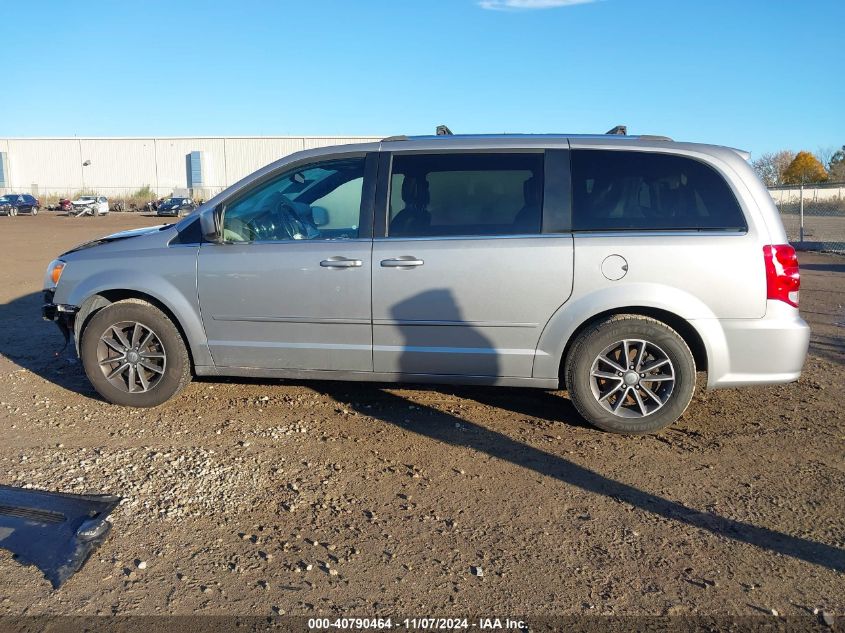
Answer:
[(262, 497)]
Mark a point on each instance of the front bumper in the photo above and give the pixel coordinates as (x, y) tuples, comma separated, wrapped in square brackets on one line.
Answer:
[(62, 315)]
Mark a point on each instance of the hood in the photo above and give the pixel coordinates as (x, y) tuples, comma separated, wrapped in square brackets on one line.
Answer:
[(122, 235), (84, 202)]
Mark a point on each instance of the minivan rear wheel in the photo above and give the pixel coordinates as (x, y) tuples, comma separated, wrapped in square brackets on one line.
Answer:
[(134, 355), (630, 374)]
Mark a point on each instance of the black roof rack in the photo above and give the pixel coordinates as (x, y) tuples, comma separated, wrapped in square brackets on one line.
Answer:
[(619, 130)]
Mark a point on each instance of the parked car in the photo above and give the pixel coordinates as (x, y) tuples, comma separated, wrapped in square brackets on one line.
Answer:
[(57, 206), (63, 204), (14, 203), (616, 267), (176, 207), (90, 205)]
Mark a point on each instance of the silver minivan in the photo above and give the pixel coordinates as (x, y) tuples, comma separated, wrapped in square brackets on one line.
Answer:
[(616, 267)]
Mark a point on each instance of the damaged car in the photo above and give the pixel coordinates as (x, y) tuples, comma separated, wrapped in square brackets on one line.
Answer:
[(616, 267), (90, 205)]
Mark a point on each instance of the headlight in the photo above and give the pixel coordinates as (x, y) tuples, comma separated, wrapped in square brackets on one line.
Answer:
[(54, 273)]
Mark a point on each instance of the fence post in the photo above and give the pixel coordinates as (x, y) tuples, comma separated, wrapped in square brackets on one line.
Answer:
[(801, 214)]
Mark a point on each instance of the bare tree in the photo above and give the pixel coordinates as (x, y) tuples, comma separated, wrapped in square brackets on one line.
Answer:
[(825, 154), (771, 166)]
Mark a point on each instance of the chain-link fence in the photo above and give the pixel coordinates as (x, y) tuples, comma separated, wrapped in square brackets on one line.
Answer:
[(813, 215)]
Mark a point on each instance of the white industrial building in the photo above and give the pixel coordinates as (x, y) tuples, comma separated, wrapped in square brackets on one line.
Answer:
[(121, 166)]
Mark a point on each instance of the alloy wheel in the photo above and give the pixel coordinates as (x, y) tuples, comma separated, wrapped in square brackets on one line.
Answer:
[(632, 378), (131, 356)]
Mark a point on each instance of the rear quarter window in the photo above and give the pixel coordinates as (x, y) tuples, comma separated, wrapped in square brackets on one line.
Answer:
[(624, 190)]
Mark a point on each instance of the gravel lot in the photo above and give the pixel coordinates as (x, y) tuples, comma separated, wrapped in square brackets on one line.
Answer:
[(262, 497)]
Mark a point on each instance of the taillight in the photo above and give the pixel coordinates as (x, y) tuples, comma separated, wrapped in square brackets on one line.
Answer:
[(782, 277)]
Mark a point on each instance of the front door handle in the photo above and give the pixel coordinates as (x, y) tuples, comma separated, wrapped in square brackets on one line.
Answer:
[(341, 262), (406, 261)]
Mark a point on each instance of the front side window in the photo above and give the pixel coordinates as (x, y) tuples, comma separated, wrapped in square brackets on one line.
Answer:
[(321, 201), (465, 194), (618, 190)]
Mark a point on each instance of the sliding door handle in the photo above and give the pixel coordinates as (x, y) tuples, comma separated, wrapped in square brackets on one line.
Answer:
[(341, 262), (406, 261)]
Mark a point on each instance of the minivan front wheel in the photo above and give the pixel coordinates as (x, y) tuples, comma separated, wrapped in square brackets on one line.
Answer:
[(630, 374), (134, 355)]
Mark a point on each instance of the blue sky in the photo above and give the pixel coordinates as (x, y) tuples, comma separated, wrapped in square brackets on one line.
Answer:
[(756, 74)]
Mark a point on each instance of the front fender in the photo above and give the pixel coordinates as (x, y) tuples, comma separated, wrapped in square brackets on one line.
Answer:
[(176, 293), (571, 315)]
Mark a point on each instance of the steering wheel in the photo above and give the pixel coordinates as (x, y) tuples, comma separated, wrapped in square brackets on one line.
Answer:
[(280, 222), (295, 226)]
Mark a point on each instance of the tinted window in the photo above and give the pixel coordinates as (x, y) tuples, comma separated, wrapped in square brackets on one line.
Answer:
[(638, 190), (321, 201), (465, 194)]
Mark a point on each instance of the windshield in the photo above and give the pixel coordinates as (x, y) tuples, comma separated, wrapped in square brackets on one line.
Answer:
[(8, 198), (87, 198)]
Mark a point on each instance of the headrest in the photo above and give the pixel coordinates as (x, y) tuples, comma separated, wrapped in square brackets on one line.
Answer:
[(415, 190), (531, 192)]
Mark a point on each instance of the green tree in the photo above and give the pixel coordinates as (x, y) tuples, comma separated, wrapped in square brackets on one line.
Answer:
[(836, 170), (804, 168)]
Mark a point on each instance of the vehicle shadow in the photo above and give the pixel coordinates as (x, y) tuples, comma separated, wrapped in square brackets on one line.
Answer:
[(37, 345), (533, 403), (447, 428), (452, 430)]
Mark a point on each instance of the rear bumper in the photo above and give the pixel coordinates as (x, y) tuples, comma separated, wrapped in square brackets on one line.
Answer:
[(766, 351)]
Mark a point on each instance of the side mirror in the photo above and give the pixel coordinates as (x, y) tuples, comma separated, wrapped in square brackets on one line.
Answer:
[(211, 223)]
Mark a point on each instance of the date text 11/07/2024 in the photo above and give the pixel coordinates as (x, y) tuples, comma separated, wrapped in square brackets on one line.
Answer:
[(425, 624)]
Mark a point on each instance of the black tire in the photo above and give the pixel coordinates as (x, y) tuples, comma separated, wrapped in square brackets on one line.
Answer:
[(176, 364), (585, 393), (34, 211)]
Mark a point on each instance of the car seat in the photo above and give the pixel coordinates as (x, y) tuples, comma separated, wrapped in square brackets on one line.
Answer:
[(414, 218)]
